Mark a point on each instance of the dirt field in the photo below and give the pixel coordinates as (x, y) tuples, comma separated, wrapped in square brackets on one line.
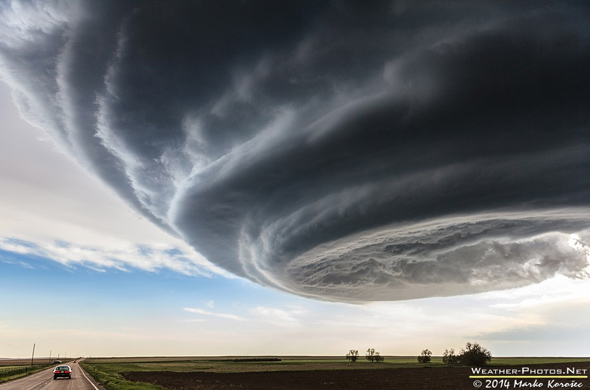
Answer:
[(395, 378)]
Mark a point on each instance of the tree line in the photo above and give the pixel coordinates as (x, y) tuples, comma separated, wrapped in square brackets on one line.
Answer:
[(371, 355), (472, 355)]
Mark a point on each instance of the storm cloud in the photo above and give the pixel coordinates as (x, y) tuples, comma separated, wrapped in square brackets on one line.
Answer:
[(341, 150)]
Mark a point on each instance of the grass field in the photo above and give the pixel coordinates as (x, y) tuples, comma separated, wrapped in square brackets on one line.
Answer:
[(110, 371), (10, 371)]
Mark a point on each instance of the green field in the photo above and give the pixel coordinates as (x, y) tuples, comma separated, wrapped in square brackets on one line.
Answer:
[(523, 361), (107, 370), (11, 372)]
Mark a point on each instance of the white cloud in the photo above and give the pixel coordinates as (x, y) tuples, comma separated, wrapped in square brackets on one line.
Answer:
[(213, 314), (558, 289), (278, 317), (51, 207), (124, 258)]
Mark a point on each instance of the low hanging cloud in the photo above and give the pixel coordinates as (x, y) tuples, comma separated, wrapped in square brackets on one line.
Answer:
[(339, 150)]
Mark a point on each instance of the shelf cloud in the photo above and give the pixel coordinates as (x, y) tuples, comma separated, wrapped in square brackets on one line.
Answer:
[(340, 150)]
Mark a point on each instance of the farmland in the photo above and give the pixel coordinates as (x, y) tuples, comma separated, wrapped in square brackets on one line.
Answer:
[(296, 372), (11, 369)]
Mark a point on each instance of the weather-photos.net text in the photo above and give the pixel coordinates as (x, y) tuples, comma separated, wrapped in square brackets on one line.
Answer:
[(526, 377)]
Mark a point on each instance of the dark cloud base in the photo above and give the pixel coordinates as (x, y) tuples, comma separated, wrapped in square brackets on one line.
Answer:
[(338, 150)]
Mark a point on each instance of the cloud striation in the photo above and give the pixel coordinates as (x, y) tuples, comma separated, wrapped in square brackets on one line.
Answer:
[(339, 150)]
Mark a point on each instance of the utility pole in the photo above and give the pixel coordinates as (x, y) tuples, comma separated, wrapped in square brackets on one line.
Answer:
[(50, 356), (33, 356)]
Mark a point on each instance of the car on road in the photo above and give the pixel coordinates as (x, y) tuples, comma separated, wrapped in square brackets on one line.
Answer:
[(62, 371)]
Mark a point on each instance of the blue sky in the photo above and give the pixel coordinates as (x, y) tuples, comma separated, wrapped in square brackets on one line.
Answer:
[(125, 310), (318, 228), (113, 313)]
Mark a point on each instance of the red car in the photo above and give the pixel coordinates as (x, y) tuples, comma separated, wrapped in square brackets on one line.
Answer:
[(65, 371)]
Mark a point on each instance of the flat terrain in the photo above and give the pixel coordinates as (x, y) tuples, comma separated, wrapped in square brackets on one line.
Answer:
[(393, 378), (323, 373), (440, 378), (44, 381)]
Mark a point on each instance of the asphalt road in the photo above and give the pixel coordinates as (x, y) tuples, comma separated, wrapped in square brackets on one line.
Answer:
[(44, 381)]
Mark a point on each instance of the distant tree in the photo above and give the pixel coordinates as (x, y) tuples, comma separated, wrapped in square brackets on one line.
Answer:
[(450, 358), (425, 356), (374, 356), (471, 355), (352, 355), (475, 355)]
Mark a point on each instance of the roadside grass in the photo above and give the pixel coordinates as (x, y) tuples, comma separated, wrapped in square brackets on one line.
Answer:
[(9, 373), (10, 368), (108, 376)]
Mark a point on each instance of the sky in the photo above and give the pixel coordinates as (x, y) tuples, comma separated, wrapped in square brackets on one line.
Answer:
[(294, 178)]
